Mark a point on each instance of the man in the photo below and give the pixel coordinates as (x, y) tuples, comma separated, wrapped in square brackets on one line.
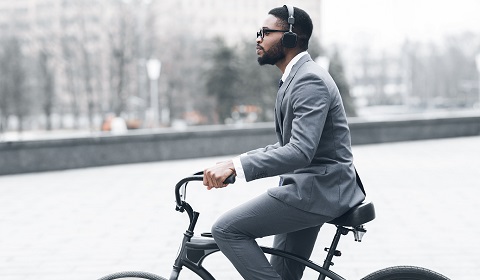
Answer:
[(312, 156)]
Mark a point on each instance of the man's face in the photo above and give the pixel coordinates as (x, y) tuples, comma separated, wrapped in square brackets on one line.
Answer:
[(269, 48)]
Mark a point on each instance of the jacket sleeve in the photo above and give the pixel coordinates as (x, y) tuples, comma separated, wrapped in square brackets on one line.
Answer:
[(263, 150), (309, 100)]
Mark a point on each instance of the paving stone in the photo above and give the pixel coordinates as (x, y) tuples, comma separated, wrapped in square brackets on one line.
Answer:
[(82, 224)]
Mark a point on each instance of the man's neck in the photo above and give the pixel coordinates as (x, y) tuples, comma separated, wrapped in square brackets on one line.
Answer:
[(282, 64), (286, 71)]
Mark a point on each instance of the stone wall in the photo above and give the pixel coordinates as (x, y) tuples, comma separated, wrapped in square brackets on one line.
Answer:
[(205, 141)]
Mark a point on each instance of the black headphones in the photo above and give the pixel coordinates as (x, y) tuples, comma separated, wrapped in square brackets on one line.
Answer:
[(289, 39)]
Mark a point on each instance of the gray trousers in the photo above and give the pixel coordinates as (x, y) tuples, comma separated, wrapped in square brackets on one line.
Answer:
[(295, 231)]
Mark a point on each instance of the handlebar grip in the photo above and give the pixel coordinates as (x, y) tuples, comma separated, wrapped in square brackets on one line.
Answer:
[(230, 179)]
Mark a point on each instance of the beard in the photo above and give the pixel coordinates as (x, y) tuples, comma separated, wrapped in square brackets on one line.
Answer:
[(273, 55)]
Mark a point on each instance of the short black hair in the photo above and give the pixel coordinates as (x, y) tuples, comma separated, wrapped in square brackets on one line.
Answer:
[(303, 25)]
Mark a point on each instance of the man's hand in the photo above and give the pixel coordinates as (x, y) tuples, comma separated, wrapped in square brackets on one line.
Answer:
[(214, 176)]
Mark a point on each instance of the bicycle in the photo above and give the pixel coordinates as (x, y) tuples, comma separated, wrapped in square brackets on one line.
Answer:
[(194, 249)]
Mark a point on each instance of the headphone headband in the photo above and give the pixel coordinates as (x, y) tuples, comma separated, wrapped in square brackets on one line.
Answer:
[(291, 18), (289, 39)]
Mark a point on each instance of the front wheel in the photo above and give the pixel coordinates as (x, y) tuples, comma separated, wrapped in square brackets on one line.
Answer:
[(405, 273), (132, 275)]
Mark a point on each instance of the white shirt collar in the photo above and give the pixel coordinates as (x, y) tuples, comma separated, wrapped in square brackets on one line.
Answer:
[(291, 63)]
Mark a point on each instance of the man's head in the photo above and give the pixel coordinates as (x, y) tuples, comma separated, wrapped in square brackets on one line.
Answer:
[(269, 42)]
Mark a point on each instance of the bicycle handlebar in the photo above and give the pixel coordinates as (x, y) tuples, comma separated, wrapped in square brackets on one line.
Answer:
[(195, 177)]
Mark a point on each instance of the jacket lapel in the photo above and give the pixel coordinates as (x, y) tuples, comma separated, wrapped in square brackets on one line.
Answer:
[(278, 119), (282, 91)]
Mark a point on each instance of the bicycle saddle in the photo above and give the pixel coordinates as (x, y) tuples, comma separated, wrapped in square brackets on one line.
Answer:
[(358, 215)]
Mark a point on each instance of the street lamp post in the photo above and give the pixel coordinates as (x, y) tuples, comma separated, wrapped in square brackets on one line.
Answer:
[(153, 70), (477, 61)]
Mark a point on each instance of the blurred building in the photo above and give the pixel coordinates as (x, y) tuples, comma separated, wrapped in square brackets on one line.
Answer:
[(95, 51), (233, 20)]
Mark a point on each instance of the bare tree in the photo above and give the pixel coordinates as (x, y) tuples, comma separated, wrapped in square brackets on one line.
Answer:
[(182, 82), (13, 88), (70, 41), (80, 48), (441, 76), (46, 85), (4, 100), (122, 36), (87, 70)]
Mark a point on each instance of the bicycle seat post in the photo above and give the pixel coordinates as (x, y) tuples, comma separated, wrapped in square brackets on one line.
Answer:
[(332, 251)]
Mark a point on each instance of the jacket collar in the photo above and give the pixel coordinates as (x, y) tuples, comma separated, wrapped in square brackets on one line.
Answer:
[(291, 64), (304, 58)]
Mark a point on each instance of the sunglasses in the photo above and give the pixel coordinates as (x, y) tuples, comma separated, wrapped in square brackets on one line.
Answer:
[(265, 30)]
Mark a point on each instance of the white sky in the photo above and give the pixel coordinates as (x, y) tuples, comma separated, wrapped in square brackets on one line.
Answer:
[(385, 22)]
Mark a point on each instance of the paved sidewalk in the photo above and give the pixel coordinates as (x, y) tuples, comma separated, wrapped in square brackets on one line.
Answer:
[(83, 224)]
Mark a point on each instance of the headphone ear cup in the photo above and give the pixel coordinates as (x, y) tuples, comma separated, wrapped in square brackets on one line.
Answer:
[(289, 40)]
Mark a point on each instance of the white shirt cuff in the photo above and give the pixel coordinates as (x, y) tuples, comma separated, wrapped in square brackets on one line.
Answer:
[(239, 168)]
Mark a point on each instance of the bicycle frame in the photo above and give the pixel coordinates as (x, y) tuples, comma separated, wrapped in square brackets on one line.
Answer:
[(192, 253), (194, 250), (193, 259)]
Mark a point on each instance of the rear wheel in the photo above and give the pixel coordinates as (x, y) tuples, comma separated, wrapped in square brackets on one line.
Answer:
[(132, 275), (405, 273)]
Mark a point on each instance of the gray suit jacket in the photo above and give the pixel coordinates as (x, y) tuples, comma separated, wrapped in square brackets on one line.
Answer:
[(313, 153)]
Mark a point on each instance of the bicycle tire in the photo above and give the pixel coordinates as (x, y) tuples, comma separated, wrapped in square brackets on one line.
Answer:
[(405, 273), (132, 275)]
